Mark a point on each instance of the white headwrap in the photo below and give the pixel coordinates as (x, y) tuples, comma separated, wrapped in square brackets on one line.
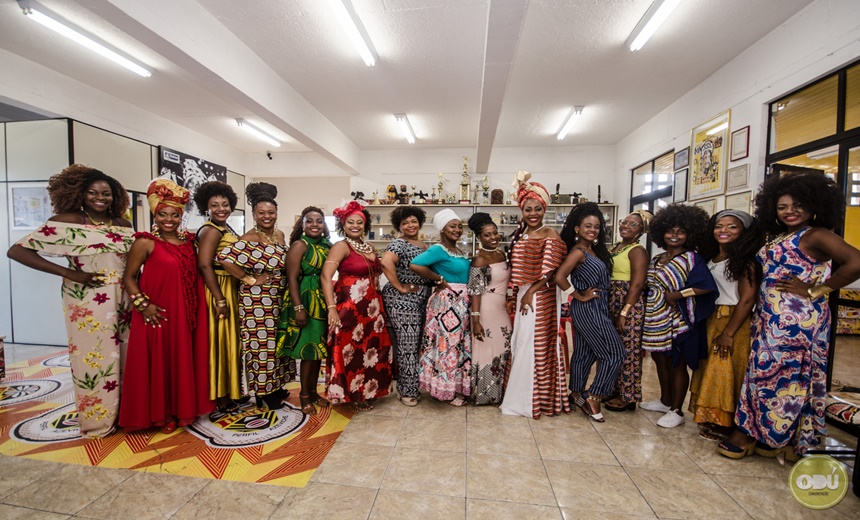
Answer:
[(441, 219)]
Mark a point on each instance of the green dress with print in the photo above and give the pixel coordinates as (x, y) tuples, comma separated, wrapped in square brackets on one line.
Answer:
[(308, 342)]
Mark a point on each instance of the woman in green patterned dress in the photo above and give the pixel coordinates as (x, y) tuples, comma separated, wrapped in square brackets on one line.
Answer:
[(90, 231), (303, 325)]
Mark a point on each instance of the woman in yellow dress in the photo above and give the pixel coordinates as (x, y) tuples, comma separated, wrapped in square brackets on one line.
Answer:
[(217, 200)]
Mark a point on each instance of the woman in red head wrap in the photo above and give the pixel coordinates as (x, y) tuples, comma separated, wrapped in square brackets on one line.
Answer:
[(166, 381), (536, 384)]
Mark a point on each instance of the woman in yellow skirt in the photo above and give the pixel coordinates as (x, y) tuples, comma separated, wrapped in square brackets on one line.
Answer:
[(217, 200), (730, 247)]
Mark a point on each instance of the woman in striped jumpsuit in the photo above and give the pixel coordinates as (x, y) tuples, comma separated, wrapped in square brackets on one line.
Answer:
[(588, 264)]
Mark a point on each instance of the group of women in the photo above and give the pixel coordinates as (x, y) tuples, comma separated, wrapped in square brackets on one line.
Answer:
[(189, 324)]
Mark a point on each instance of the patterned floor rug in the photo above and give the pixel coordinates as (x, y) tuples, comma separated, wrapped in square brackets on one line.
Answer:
[(38, 420)]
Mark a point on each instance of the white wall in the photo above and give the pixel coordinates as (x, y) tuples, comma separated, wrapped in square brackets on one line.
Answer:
[(819, 39), (297, 193)]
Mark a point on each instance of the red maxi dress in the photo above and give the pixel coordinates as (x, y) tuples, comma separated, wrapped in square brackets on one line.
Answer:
[(167, 368), (360, 353)]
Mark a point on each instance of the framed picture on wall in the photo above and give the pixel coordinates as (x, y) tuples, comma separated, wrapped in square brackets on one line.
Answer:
[(741, 143), (709, 205), (737, 177), (679, 190), (29, 206), (708, 165), (741, 201), (681, 159)]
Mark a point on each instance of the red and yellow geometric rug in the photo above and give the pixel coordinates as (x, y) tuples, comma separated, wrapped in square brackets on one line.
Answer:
[(38, 420)]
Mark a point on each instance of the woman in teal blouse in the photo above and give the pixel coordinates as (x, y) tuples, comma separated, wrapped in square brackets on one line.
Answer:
[(446, 349)]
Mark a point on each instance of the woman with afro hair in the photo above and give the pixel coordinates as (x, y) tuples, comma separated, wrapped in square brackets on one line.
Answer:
[(216, 200), (781, 405), (681, 295), (89, 230)]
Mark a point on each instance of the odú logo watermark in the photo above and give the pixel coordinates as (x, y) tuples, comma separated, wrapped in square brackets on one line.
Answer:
[(818, 482)]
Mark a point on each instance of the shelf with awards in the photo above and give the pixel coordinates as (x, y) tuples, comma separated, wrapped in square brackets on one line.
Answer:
[(506, 217)]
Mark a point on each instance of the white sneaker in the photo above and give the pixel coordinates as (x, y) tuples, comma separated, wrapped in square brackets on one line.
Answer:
[(654, 406), (671, 419)]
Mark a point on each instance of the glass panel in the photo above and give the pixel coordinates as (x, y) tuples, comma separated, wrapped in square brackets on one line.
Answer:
[(825, 160), (852, 211), (642, 180), (663, 168), (852, 99), (805, 116)]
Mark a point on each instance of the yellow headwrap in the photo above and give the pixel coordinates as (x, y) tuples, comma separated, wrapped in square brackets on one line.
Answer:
[(646, 217), (164, 192)]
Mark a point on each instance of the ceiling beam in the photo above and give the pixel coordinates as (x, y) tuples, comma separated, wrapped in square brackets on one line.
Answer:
[(189, 36), (504, 23)]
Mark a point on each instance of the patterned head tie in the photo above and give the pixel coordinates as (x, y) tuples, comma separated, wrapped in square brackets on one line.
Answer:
[(163, 192), (529, 190), (350, 208), (646, 217)]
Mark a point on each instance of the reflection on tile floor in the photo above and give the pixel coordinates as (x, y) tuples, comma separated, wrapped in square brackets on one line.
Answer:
[(437, 461)]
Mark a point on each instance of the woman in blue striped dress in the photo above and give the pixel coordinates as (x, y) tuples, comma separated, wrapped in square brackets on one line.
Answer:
[(595, 339)]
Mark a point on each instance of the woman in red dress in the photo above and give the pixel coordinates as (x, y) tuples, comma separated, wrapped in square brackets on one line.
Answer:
[(360, 354), (166, 381)]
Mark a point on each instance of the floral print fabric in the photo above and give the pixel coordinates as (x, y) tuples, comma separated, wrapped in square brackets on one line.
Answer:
[(97, 318)]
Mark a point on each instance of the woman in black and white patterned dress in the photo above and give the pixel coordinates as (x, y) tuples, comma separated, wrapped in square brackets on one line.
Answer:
[(405, 297)]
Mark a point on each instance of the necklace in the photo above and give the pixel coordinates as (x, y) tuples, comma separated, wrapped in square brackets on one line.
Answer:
[(360, 247), (526, 235), (484, 249), (270, 238), (181, 234), (95, 223)]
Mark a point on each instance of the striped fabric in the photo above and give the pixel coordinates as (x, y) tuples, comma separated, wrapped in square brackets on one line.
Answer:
[(531, 260), (663, 321)]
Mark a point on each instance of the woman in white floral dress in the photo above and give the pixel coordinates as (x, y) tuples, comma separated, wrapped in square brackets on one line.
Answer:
[(89, 230)]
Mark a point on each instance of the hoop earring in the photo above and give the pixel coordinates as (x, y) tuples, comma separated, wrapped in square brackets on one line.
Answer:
[(778, 223)]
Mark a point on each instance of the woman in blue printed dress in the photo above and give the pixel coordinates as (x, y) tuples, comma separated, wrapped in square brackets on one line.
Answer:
[(781, 406)]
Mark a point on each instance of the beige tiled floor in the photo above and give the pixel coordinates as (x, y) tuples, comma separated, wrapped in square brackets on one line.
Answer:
[(437, 461)]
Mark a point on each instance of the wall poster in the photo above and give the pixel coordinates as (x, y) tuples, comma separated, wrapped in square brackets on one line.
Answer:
[(709, 143), (189, 172), (30, 205)]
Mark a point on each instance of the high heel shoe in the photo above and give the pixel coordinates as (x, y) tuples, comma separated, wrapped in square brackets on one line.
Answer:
[(582, 404), (727, 449), (307, 405), (787, 452)]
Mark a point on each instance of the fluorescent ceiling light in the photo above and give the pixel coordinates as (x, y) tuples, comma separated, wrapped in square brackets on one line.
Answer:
[(355, 30), (403, 121), (717, 129), (572, 118), (52, 21), (256, 132), (648, 25)]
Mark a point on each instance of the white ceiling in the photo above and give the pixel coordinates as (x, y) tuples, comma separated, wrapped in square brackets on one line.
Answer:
[(469, 73)]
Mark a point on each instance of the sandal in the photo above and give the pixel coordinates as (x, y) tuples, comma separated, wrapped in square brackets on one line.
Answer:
[(307, 405), (582, 404), (613, 405), (727, 449), (787, 452), (710, 435), (320, 401), (407, 401), (362, 406), (457, 401)]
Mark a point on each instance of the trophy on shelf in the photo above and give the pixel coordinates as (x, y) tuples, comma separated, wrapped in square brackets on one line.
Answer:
[(433, 195), (486, 186), (413, 195), (477, 192), (441, 185), (465, 196)]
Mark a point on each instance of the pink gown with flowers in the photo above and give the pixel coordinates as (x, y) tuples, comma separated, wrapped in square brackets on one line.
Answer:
[(360, 354), (97, 318)]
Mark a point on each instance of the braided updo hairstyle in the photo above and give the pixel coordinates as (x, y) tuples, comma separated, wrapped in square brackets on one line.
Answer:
[(258, 192), (477, 222)]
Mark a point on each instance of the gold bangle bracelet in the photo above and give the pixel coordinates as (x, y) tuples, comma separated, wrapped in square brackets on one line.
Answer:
[(248, 280), (688, 292), (819, 290), (625, 310)]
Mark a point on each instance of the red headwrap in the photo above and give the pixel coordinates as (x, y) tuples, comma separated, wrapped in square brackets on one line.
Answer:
[(351, 208), (162, 193), (529, 190)]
